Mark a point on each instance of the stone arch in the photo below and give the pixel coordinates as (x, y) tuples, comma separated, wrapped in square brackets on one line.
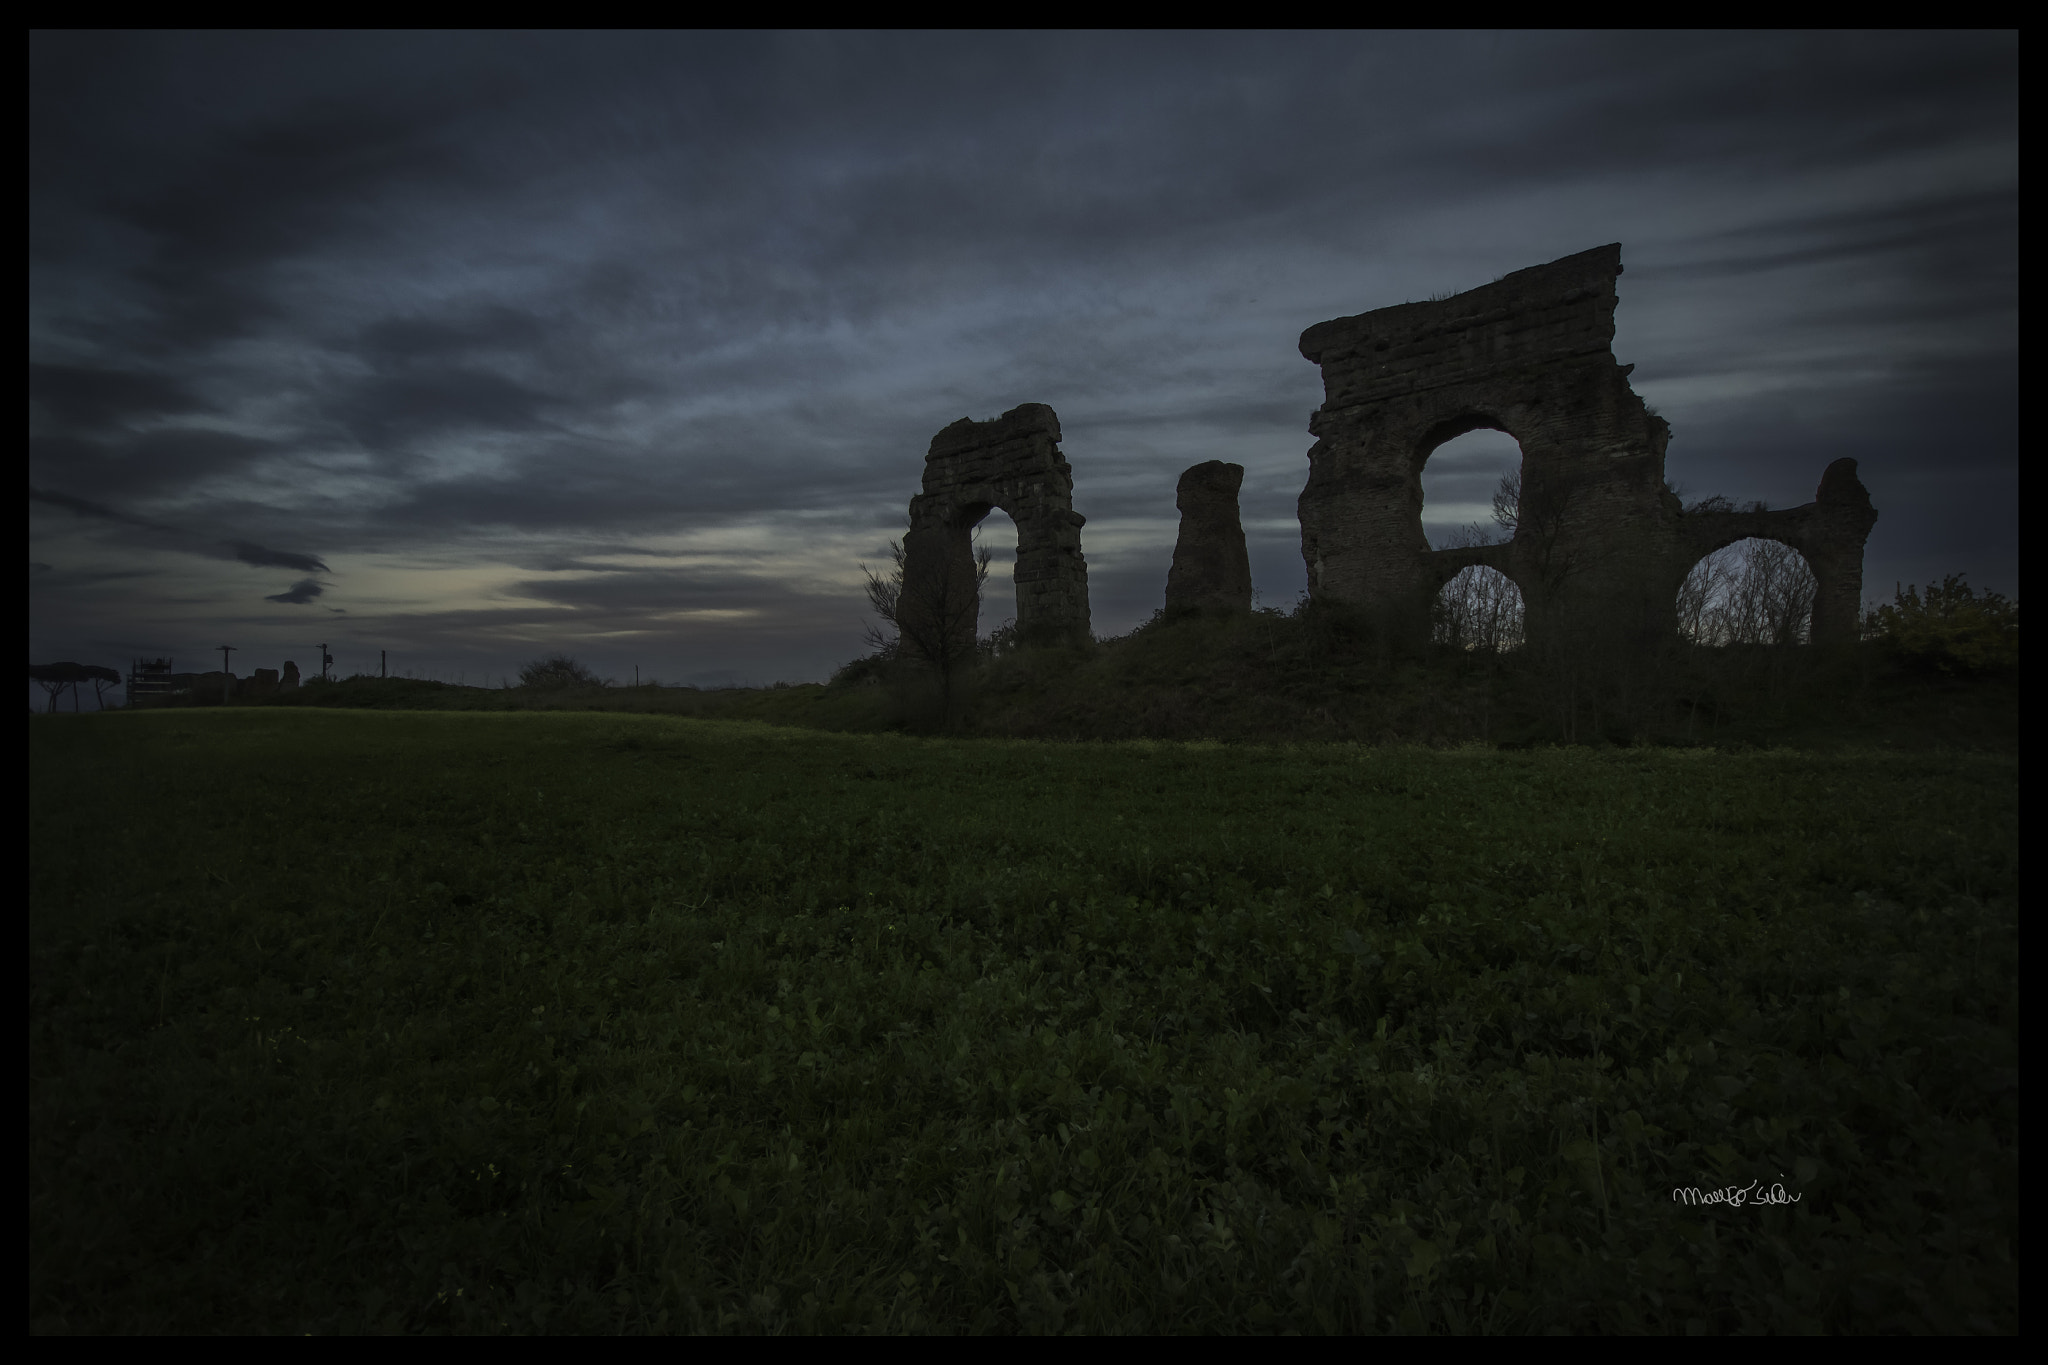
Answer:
[(1442, 564), (1602, 544), (1445, 433), (1829, 533), (1012, 462), (1451, 432), (996, 532)]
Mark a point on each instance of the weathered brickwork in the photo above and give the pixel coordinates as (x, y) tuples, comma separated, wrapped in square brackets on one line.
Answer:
[(1013, 462), (1602, 544)]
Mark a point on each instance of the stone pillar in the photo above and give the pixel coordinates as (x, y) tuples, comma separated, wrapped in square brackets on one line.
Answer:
[(1211, 570), (1841, 522), (291, 675)]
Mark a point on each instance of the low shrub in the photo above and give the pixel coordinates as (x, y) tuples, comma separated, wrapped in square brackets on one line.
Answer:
[(1951, 629)]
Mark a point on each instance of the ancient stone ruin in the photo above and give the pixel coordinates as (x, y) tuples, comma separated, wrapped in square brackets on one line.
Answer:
[(1601, 545), (1211, 571), (1012, 462)]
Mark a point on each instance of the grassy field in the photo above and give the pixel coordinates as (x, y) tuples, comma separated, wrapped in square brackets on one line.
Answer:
[(358, 1021)]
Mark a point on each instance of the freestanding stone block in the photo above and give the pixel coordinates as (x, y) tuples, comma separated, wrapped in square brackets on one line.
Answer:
[(1602, 544), (291, 675), (1211, 571), (1014, 463)]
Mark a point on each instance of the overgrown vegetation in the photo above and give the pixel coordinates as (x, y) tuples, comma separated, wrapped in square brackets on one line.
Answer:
[(1308, 675), (1952, 630), (346, 1022), (1940, 671), (558, 670), (1329, 674)]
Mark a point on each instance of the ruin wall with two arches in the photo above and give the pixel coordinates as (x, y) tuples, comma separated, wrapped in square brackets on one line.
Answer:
[(1602, 544)]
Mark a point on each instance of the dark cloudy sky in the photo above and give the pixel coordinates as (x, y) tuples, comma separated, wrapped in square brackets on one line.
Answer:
[(471, 347)]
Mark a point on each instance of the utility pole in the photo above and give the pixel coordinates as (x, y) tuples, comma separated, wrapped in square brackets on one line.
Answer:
[(227, 679), (380, 664), (326, 661)]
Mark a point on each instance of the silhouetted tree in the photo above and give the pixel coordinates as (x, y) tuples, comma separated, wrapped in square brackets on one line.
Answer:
[(1480, 608), (1507, 503), (557, 670), (1951, 629), (102, 679), (54, 678), (884, 592), (934, 622), (1754, 592)]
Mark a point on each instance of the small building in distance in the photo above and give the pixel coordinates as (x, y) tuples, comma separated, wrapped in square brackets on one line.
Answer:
[(149, 682)]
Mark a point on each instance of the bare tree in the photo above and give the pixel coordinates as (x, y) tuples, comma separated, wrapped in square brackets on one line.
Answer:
[(557, 670), (1754, 592), (1535, 518), (1770, 602), (883, 595), (934, 619), (1480, 608), (1507, 503), (1701, 592)]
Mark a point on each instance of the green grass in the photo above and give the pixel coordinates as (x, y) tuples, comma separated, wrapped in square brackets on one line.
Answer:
[(349, 1021)]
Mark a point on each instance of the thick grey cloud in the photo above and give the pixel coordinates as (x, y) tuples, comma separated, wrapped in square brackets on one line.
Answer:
[(248, 552), (582, 340), (299, 593), (82, 397), (284, 559)]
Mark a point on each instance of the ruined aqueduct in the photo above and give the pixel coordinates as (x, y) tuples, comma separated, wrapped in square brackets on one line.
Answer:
[(1601, 542)]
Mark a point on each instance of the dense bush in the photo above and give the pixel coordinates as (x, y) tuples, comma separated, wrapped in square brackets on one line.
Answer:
[(1951, 629), (557, 670)]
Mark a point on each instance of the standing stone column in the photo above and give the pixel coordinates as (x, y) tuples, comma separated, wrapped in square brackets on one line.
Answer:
[(1833, 548), (1212, 572)]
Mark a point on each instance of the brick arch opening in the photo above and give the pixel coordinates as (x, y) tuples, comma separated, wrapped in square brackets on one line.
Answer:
[(1014, 463), (1479, 609), (1456, 479), (996, 531), (1458, 464), (1756, 590)]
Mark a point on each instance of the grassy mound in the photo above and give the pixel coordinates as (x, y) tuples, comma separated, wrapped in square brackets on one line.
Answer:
[(1331, 676), (1326, 676)]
